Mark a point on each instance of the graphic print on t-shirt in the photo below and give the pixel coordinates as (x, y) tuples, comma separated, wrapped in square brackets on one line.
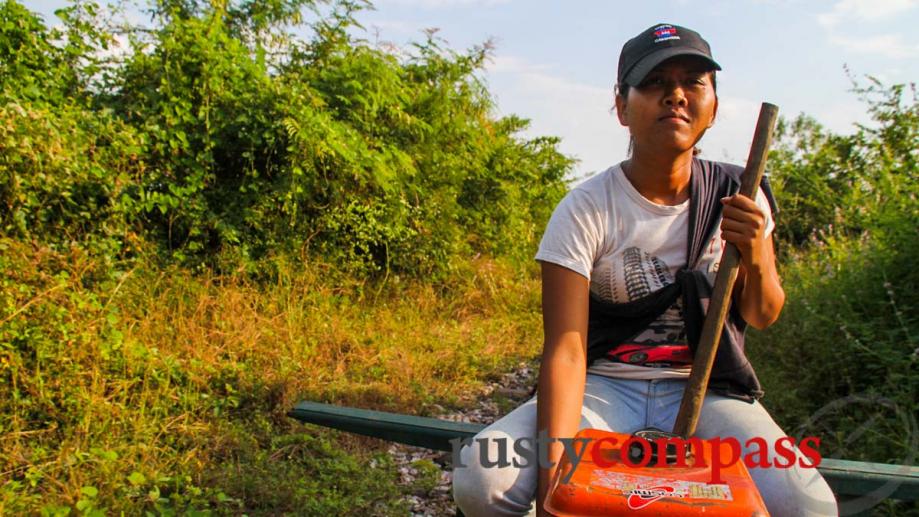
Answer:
[(638, 275), (605, 230)]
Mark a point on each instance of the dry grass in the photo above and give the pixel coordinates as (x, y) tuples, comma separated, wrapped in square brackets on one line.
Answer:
[(167, 389)]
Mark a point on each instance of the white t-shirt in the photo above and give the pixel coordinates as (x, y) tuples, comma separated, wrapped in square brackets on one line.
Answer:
[(629, 247)]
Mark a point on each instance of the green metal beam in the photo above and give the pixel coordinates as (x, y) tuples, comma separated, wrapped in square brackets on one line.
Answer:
[(410, 430), (877, 480), (848, 479)]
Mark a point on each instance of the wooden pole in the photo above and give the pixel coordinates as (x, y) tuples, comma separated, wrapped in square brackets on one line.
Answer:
[(691, 406)]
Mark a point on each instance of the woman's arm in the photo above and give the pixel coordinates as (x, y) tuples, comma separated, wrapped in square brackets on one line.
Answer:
[(563, 368), (760, 292)]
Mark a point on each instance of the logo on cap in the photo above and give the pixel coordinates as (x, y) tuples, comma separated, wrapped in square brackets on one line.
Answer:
[(664, 33)]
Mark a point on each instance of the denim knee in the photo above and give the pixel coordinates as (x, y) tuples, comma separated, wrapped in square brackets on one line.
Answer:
[(494, 491), (795, 492)]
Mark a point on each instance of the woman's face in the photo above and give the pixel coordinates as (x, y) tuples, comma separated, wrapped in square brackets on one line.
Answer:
[(672, 107)]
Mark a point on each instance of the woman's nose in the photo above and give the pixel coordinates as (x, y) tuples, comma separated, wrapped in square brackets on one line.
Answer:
[(675, 97)]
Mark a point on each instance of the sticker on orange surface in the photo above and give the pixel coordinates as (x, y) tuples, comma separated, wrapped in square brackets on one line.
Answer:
[(644, 490)]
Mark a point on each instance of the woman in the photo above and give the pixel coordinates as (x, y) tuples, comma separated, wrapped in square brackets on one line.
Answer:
[(626, 259)]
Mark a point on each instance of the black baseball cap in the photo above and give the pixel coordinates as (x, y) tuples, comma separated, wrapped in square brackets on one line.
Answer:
[(655, 45)]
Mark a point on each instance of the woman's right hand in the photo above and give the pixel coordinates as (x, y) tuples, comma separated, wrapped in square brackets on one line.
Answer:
[(563, 368)]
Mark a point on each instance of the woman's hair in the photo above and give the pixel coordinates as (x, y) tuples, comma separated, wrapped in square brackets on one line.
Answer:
[(623, 90)]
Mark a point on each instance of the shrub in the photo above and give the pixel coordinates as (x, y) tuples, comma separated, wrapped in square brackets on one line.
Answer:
[(844, 353)]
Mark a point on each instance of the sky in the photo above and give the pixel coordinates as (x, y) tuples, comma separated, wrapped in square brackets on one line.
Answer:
[(555, 62)]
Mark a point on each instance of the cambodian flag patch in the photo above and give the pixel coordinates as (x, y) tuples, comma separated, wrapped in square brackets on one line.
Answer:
[(664, 33)]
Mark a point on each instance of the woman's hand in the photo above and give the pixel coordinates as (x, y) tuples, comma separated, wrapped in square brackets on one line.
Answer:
[(743, 224), (563, 369), (758, 289)]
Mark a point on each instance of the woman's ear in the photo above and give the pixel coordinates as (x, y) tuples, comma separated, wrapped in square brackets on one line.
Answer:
[(622, 110), (714, 113)]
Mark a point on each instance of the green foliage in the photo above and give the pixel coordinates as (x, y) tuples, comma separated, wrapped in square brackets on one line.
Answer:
[(97, 420), (64, 174), (427, 476), (219, 137), (166, 390), (56, 66), (812, 170), (28, 61), (842, 360), (842, 185), (221, 140), (63, 165)]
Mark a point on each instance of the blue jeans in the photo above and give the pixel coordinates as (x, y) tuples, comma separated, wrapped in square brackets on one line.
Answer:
[(626, 406)]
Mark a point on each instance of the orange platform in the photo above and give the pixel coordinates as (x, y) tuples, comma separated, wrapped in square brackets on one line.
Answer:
[(653, 490)]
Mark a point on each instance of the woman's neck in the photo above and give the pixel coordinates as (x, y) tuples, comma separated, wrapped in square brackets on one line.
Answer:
[(659, 177)]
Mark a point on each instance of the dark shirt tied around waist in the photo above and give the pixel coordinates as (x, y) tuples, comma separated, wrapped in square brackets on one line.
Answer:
[(610, 324)]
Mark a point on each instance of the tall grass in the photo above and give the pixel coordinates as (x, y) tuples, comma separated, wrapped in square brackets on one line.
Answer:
[(162, 390), (842, 360)]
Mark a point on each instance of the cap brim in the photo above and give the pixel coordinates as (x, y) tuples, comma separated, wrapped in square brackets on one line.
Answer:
[(641, 69)]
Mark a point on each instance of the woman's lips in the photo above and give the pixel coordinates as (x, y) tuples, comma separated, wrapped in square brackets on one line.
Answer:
[(674, 117), (673, 120)]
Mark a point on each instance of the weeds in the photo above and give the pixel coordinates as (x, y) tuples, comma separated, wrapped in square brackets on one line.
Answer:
[(166, 391)]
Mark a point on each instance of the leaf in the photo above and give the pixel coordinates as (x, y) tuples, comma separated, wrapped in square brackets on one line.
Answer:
[(89, 491), (136, 478)]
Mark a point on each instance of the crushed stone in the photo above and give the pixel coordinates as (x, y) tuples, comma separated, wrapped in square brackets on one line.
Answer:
[(512, 389)]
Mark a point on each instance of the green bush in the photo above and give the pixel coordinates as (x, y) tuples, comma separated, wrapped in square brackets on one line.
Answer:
[(220, 138), (841, 362), (64, 166), (221, 141)]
